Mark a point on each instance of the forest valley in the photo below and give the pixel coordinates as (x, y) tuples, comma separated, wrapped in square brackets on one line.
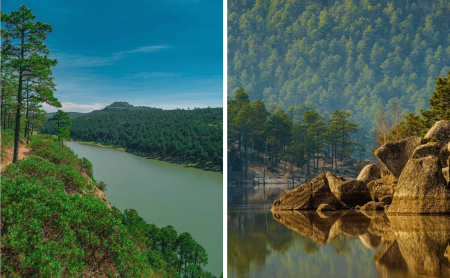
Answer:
[(192, 137), (56, 220), (261, 144), (346, 55)]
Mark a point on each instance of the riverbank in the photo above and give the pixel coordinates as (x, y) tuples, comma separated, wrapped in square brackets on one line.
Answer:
[(208, 166)]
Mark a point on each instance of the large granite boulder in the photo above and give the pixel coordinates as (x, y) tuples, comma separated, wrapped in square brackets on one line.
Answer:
[(422, 188), (441, 131), (309, 196), (369, 173), (334, 181), (353, 193), (395, 155)]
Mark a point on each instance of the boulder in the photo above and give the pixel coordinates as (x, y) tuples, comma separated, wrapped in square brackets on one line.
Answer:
[(334, 181), (373, 206), (353, 193), (445, 172), (395, 155), (325, 207), (369, 173), (421, 189), (309, 196), (384, 187), (441, 131), (431, 148)]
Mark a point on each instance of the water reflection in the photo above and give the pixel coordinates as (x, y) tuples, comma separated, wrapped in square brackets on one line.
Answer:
[(330, 244)]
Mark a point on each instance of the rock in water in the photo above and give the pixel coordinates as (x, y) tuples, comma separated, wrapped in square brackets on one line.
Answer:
[(395, 155), (373, 206), (441, 131), (421, 188), (353, 193), (309, 196), (369, 173)]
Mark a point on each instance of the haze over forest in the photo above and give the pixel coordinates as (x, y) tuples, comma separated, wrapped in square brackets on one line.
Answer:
[(347, 55)]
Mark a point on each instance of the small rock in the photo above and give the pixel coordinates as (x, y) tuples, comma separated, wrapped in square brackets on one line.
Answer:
[(369, 173), (373, 206), (325, 207)]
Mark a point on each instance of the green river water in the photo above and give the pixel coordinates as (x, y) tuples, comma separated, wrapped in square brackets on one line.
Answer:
[(186, 198)]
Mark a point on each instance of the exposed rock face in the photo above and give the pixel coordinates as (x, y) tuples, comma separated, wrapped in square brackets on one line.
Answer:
[(353, 193), (395, 155), (369, 173), (325, 207), (441, 131), (309, 196), (97, 193), (431, 148), (373, 206), (381, 188), (334, 181), (421, 189)]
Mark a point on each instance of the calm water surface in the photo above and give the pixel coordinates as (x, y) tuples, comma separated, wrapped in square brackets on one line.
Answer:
[(186, 198), (338, 244)]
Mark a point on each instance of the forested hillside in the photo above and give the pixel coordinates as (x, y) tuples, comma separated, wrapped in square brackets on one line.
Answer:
[(339, 54), (54, 226), (195, 135)]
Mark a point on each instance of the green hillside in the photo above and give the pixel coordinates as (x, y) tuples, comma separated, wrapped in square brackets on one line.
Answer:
[(188, 136), (345, 54)]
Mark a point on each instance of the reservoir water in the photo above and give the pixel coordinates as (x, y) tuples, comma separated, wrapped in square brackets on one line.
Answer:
[(330, 244), (186, 198)]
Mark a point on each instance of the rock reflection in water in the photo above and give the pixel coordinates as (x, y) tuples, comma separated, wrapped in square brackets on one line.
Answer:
[(412, 246)]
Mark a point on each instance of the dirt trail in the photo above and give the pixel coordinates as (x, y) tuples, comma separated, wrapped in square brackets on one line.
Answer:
[(23, 153)]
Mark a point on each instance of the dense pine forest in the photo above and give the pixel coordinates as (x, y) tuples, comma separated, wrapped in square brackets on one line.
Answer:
[(268, 139), (362, 56), (194, 135)]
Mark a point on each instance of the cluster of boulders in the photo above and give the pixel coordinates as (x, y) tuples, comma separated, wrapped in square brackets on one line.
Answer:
[(411, 178)]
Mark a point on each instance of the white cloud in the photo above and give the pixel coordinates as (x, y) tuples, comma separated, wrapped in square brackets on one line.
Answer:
[(74, 107), (148, 75), (151, 48), (76, 60)]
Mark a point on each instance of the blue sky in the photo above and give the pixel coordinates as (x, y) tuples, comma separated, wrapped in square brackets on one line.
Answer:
[(158, 53)]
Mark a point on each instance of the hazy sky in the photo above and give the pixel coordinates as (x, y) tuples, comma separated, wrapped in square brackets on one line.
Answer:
[(159, 53)]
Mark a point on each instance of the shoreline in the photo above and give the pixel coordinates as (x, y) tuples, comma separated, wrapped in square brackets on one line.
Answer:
[(166, 158)]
